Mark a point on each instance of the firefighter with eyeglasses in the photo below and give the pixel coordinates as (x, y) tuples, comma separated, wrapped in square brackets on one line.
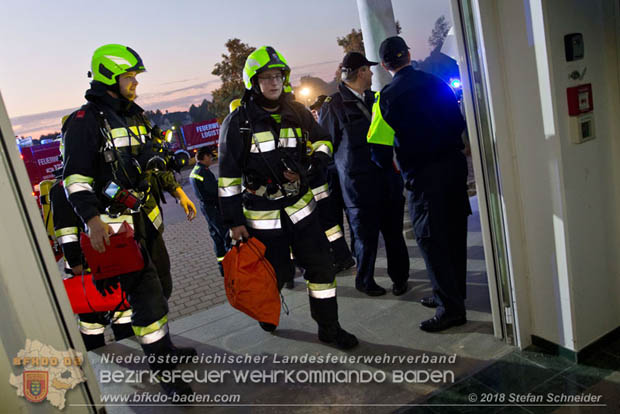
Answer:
[(110, 160), (264, 190)]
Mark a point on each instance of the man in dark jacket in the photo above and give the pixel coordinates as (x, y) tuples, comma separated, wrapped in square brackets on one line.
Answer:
[(263, 186), (373, 196), (109, 152), (205, 186), (419, 116)]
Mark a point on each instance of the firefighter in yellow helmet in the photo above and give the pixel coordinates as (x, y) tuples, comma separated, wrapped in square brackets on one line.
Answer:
[(109, 153), (264, 190)]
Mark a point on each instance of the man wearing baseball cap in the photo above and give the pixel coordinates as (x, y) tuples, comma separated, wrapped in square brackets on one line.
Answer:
[(418, 115), (373, 196)]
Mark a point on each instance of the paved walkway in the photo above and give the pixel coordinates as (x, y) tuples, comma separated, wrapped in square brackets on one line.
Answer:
[(387, 328)]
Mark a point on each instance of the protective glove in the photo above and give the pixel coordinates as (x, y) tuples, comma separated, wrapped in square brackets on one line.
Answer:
[(186, 203), (107, 286)]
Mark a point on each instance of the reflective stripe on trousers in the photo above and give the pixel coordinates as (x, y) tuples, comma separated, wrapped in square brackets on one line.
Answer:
[(321, 290), (152, 333), (91, 328), (122, 317)]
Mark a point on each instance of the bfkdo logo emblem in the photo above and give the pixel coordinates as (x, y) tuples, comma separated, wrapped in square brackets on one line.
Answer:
[(35, 385)]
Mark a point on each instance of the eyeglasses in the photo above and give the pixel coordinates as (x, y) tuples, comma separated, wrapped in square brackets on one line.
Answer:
[(269, 78)]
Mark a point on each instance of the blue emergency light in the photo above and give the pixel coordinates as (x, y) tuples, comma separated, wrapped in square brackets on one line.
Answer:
[(455, 83)]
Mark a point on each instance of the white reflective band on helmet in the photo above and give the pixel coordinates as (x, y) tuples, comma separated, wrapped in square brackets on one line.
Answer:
[(321, 192), (322, 290), (228, 187), (121, 318), (302, 208), (91, 328), (67, 239), (263, 142), (153, 336), (334, 233), (77, 187), (263, 220)]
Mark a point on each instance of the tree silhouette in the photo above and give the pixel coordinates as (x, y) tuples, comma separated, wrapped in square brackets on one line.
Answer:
[(230, 71), (354, 42), (439, 33)]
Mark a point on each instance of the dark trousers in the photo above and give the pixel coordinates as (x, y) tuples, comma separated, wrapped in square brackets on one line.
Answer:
[(439, 206), (385, 215), (329, 222), (337, 207), (148, 291), (310, 247), (366, 223), (218, 231), (158, 253)]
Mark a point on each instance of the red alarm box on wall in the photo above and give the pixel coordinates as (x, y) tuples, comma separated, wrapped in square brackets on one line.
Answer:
[(579, 99)]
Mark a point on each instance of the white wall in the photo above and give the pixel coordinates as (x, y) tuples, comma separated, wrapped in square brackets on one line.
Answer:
[(590, 182), (561, 198)]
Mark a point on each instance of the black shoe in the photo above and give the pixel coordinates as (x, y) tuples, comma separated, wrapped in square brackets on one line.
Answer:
[(400, 288), (443, 322), (269, 327), (186, 351), (429, 302), (344, 265), (337, 336), (175, 390), (372, 291), (290, 284)]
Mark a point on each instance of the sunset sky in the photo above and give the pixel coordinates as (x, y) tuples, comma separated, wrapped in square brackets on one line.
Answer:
[(47, 45)]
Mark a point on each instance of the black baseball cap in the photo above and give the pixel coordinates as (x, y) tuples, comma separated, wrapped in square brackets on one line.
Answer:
[(318, 103), (392, 49), (355, 60)]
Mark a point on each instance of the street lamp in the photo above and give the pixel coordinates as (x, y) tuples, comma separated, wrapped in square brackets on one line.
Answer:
[(305, 92)]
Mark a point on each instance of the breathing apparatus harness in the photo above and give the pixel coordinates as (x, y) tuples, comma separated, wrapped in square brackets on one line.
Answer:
[(274, 183)]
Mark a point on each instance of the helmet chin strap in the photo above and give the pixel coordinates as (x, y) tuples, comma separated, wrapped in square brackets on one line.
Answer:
[(261, 100)]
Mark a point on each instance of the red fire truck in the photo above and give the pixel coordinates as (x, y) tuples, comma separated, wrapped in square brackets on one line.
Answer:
[(193, 136), (41, 161)]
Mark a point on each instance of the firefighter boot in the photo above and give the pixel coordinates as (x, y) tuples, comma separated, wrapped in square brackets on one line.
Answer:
[(325, 313), (93, 341), (163, 347)]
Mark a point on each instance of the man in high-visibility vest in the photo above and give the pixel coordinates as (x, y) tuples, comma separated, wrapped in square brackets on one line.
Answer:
[(418, 114)]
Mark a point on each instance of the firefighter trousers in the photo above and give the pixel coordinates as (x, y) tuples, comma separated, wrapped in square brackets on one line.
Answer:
[(307, 241)]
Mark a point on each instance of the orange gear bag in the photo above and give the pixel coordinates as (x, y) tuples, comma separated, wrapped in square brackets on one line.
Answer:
[(250, 282)]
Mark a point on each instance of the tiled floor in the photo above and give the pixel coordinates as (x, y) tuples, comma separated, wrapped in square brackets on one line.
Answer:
[(540, 380)]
